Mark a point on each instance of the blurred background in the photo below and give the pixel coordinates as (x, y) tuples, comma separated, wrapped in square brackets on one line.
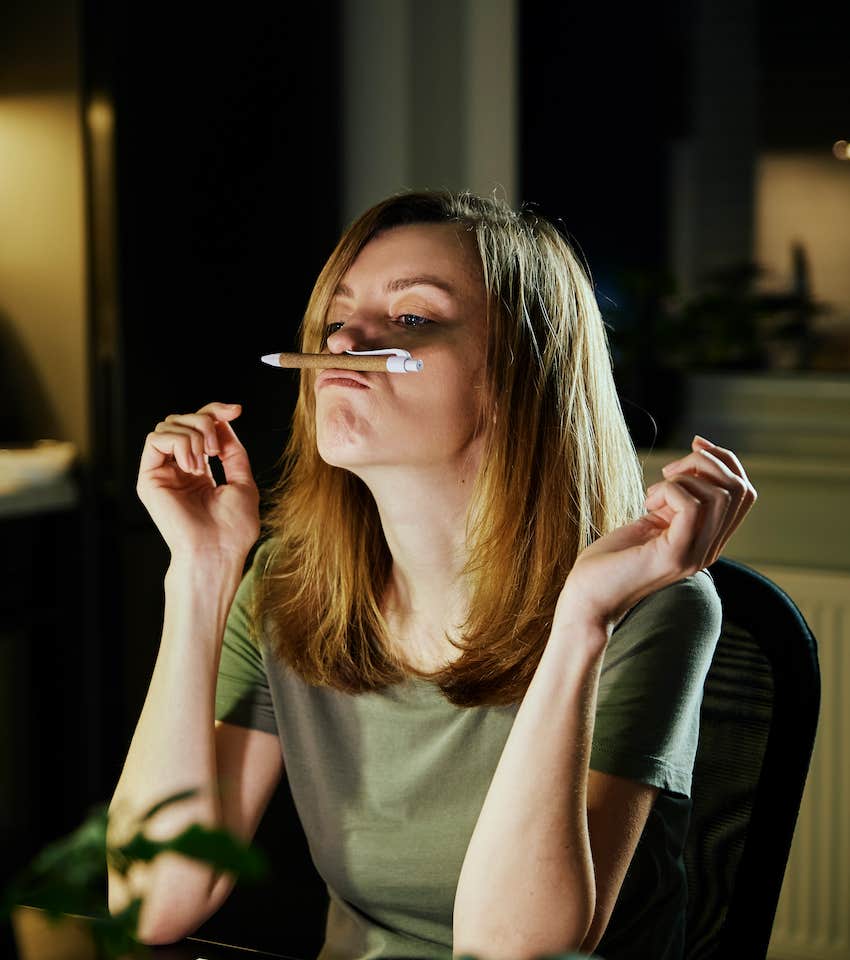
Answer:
[(172, 180)]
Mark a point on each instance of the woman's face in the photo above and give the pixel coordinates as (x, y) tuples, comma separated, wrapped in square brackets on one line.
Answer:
[(419, 288)]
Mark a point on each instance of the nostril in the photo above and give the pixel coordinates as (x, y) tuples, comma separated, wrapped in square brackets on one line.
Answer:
[(335, 341), (340, 337)]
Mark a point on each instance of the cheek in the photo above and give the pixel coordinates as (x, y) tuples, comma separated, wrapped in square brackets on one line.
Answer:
[(465, 387), (449, 403)]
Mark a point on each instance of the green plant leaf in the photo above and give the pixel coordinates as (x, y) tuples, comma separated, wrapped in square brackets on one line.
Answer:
[(84, 844), (67, 876), (168, 801), (116, 934), (214, 846)]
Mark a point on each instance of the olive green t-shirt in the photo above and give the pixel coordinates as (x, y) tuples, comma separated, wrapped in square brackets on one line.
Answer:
[(389, 784)]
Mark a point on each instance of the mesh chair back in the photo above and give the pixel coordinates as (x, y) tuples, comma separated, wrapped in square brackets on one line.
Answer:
[(757, 727)]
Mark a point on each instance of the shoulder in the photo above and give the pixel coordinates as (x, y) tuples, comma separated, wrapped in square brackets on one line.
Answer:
[(263, 551), (693, 599), (254, 572), (681, 621), (260, 560), (651, 685)]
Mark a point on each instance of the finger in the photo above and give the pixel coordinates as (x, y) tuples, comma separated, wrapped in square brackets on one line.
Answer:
[(735, 510), (197, 461), (196, 439), (204, 424), (719, 513), (222, 411), (175, 445), (682, 510), (732, 462), (693, 508), (704, 464), (750, 494), (233, 456)]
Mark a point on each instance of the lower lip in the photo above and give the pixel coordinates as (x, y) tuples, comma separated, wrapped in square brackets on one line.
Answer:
[(343, 382)]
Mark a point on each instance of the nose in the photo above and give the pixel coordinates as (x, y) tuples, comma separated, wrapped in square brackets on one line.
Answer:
[(356, 334)]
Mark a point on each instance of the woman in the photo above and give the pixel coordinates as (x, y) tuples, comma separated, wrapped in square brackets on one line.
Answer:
[(472, 639)]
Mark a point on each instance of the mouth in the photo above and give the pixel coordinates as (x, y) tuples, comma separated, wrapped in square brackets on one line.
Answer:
[(341, 378)]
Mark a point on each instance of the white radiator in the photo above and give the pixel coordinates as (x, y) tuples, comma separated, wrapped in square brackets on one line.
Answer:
[(813, 917)]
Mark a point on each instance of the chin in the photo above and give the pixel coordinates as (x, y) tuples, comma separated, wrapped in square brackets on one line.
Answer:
[(344, 448), (358, 455), (335, 457)]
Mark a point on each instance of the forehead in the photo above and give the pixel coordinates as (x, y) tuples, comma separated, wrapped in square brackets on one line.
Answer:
[(439, 251)]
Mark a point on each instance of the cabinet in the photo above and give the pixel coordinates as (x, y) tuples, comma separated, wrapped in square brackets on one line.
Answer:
[(45, 694)]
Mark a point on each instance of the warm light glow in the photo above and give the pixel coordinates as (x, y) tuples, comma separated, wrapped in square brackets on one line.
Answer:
[(43, 296), (841, 149), (803, 198), (99, 116)]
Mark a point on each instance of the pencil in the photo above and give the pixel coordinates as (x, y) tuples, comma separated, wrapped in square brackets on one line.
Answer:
[(342, 361)]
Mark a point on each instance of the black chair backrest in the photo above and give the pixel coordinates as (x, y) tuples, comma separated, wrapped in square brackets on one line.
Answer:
[(757, 729)]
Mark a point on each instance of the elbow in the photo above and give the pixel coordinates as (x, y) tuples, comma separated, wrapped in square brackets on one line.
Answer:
[(168, 912), (551, 914), (523, 938), (158, 931), (154, 927), (162, 924)]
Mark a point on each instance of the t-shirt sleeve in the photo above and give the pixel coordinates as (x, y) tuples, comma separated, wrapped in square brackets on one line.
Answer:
[(242, 694), (650, 688)]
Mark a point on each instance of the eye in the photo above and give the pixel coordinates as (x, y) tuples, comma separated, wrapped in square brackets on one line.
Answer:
[(332, 328), (410, 320)]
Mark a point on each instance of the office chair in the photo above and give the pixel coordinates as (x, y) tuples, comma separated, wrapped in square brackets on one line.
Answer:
[(757, 731)]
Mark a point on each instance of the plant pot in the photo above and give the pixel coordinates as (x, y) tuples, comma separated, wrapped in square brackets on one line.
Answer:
[(37, 937)]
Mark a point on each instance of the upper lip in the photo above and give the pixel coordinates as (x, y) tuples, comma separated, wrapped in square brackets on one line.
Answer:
[(334, 374)]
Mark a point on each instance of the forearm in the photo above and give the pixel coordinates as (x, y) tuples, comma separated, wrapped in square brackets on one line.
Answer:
[(173, 747), (527, 884)]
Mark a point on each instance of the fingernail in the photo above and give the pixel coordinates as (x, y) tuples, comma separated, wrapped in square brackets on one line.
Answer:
[(703, 440), (670, 466)]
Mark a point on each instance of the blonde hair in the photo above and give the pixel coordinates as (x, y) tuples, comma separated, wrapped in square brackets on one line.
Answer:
[(559, 469)]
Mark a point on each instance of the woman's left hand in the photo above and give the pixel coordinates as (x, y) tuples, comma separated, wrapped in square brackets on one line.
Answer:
[(691, 515)]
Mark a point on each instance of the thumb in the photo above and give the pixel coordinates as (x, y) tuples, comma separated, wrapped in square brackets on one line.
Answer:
[(233, 456)]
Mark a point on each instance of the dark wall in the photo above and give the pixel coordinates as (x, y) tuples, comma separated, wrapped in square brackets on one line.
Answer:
[(804, 79), (603, 90), (227, 173), (607, 89)]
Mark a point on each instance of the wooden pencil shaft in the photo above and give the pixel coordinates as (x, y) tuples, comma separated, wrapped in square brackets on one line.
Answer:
[(336, 361)]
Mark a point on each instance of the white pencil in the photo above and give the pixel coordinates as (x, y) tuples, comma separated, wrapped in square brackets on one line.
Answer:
[(386, 361)]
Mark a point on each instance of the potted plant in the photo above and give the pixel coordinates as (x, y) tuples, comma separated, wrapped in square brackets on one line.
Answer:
[(66, 880), (686, 363)]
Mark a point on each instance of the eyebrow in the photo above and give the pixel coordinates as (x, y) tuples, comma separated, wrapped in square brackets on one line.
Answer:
[(404, 283)]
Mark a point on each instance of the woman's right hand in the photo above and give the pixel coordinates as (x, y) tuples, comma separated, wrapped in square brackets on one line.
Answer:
[(176, 485)]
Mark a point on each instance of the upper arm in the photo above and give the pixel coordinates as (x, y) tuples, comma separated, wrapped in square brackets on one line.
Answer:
[(249, 766), (617, 811), (644, 742)]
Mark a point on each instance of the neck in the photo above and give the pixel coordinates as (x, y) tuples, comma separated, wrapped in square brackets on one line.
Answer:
[(423, 513)]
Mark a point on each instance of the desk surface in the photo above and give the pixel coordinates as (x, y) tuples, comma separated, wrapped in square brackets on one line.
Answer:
[(71, 939)]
